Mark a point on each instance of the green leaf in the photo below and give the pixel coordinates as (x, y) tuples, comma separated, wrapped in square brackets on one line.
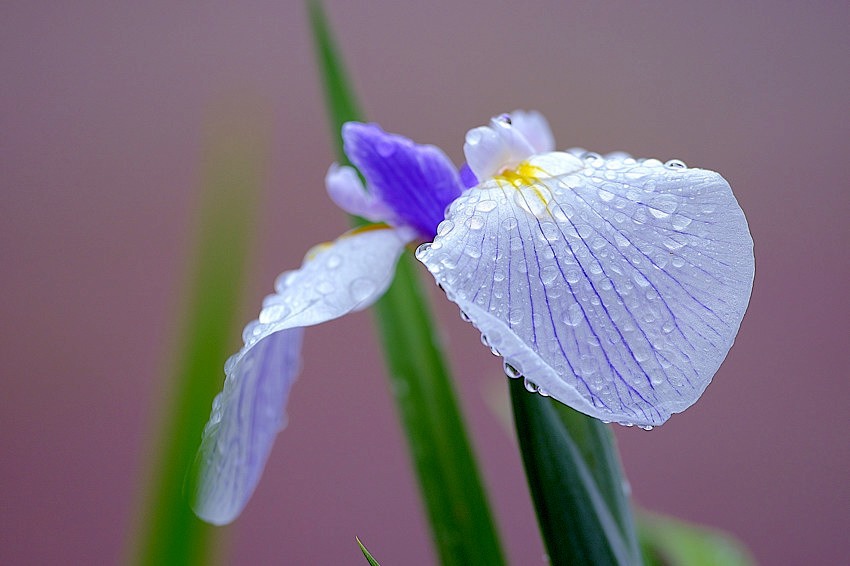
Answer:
[(670, 542), (369, 559), (234, 159), (455, 501), (576, 482)]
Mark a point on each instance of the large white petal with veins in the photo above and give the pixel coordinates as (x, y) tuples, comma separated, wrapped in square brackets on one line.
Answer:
[(616, 286)]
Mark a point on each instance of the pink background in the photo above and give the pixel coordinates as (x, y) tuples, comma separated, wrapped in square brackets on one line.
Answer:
[(103, 113)]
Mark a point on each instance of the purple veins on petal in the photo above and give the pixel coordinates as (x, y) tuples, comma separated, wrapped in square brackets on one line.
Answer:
[(618, 287), (246, 417), (415, 181)]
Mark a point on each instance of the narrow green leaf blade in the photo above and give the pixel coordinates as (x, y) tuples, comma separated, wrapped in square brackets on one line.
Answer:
[(455, 501), (369, 559), (575, 481), (671, 542), (234, 159)]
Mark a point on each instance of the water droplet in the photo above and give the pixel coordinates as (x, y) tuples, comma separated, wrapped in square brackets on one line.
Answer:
[(647, 427), (675, 164), (515, 316), (498, 276), (465, 317), (472, 251), (486, 205), (475, 223), (573, 275), (333, 261), (606, 195), (251, 330), (273, 313), (550, 231), (511, 371), (361, 288), (385, 148), (445, 227), (422, 250), (548, 274), (509, 223), (680, 222), (640, 279), (530, 386), (573, 315), (325, 287), (667, 327), (284, 280), (532, 200)]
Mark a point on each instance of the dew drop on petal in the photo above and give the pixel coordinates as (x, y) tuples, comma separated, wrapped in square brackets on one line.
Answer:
[(509, 223), (573, 315), (422, 250), (680, 222), (511, 371), (325, 287), (385, 148), (361, 288), (675, 164), (475, 223), (548, 274), (486, 205)]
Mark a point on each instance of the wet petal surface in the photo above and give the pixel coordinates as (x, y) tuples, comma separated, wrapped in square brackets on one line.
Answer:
[(613, 285), (336, 278), (246, 417)]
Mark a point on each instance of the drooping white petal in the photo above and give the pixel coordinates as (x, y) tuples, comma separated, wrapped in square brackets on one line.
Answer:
[(490, 149), (335, 279), (346, 190), (534, 127), (615, 286), (246, 417)]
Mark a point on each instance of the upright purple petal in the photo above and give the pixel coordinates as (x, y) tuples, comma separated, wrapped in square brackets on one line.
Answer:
[(416, 181)]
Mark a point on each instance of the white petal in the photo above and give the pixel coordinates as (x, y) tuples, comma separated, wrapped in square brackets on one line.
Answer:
[(346, 190), (534, 127), (336, 278), (617, 289), (490, 149), (246, 417)]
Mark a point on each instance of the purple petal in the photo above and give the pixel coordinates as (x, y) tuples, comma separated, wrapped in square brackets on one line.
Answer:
[(467, 177), (416, 181), (246, 417)]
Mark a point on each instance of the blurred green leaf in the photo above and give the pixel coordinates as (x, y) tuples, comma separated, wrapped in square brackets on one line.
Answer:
[(457, 508), (670, 542), (236, 148), (369, 559), (576, 482)]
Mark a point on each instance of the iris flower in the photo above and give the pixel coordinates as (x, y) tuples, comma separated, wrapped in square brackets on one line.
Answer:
[(615, 285)]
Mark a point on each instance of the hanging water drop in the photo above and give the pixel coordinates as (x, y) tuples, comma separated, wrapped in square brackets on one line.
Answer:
[(511, 371), (422, 250)]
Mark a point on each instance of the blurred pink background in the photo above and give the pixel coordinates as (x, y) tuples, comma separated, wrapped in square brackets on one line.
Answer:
[(104, 107)]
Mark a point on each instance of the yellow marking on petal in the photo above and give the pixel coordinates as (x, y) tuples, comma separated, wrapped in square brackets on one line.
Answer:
[(525, 178), (316, 250), (319, 248), (524, 174), (366, 228)]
